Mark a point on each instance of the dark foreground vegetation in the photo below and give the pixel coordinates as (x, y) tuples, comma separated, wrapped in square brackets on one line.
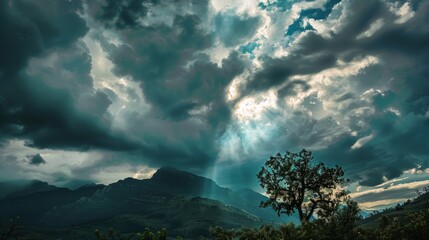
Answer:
[(342, 225)]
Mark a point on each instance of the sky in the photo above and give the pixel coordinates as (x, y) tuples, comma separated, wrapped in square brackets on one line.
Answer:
[(97, 91)]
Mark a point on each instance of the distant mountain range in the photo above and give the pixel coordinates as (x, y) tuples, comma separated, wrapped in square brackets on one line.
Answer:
[(400, 211), (183, 203), (18, 188)]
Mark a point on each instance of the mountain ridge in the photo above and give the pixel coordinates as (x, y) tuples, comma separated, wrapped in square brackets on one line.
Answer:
[(17, 188), (157, 201), (400, 211)]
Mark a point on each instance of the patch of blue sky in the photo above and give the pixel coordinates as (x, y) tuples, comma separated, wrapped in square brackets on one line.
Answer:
[(313, 13), (298, 26), (249, 48), (281, 5)]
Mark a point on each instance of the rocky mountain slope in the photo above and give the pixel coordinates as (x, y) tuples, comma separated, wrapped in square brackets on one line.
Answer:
[(182, 202)]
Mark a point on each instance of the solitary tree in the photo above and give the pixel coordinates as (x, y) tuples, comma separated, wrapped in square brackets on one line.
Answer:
[(8, 231), (295, 183)]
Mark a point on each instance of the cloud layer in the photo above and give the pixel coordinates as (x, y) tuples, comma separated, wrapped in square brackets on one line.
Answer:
[(213, 87)]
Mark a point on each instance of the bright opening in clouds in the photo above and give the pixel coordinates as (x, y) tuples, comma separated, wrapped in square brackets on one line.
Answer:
[(96, 91)]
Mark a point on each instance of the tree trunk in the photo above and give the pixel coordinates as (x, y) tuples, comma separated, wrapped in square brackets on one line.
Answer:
[(301, 215)]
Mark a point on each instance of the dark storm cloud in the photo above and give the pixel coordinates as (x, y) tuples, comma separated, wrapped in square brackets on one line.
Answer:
[(278, 70), (397, 145), (387, 194), (398, 142), (293, 88), (313, 52), (123, 13), (44, 73), (185, 89), (299, 130), (175, 135), (35, 160), (47, 97), (30, 28), (345, 97), (232, 29), (368, 165), (403, 188), (180, 110)]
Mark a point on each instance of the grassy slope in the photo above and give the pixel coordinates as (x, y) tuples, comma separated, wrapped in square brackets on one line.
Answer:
[(190, 218), (419, 204)]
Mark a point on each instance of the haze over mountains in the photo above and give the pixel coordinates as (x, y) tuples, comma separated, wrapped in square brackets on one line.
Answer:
[(184, 203)]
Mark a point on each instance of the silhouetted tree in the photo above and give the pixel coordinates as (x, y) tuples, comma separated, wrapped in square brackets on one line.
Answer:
[(8, 231), (294, 182), (343, 223), (219, 233)]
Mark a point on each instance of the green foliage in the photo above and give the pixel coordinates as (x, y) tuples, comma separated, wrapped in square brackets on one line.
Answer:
[(220, 234), (146, 235), (8, 231), (293, 182), (342, 225), (111, 235), (415, 226), (266, 232)]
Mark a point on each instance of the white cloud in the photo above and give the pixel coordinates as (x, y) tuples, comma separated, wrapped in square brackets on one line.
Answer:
[(57, 161), (410, 185), (333, 23), (254, 107), (361, 142), (129, 98), (404, 12), (387, 187), (144, 173), (249, 7), (379, 204), (373, 28)]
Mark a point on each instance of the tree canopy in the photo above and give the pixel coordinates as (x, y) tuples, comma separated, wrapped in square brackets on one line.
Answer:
[(294, 182)]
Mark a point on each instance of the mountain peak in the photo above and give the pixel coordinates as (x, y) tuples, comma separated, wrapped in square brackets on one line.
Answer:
[(173, 180), (167, 169), (171, 173), (174, 175), (128, 180), (17, 188)]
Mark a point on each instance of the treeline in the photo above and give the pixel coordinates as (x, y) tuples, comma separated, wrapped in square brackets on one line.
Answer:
[(414, 226), (343, 225), (9, 229)]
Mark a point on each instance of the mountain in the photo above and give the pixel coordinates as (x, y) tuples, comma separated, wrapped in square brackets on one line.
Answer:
[(364, 214), (18, 188), (189, 218), (33, 206), (182, 202), (180, 182), (400, 211)]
